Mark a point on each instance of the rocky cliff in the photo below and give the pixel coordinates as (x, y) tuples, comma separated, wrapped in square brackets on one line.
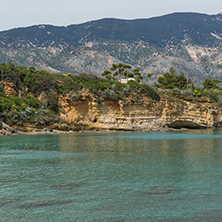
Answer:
[(82, 110), (143, 115)]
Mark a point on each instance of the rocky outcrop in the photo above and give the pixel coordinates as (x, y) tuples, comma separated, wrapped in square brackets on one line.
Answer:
[(8, 130), (9, 89), (143, 115), (82, 110), (45, 97)]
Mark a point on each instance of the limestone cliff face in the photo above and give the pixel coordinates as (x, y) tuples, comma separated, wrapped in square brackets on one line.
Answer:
[(133, 113), (143, 115), (9, 88)]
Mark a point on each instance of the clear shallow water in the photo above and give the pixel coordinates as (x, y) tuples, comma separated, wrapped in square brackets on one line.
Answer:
[(172, 176)]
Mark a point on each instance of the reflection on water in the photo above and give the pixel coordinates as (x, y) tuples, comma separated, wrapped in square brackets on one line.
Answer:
[(112, 177)]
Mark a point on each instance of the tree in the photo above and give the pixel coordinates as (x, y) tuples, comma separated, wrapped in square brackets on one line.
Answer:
[(32, 69), (181, 81), (149, 76), (168, 80), (171, 80), (211, 83), (108, 74), (138, 75), (118, 70)]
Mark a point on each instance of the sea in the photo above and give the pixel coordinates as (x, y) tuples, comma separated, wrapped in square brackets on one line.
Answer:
[(112, 177)]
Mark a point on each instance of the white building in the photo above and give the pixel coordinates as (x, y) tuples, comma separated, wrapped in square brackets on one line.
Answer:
[(126, 80)]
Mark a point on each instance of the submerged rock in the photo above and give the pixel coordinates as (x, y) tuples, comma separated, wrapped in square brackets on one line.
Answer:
[(42, 203), (160, 190)]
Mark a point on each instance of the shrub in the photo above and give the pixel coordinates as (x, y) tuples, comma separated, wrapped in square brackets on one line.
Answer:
[(212, 94), (53, 105), (188, 92), (150, 92), (6, 103), (33, 102), (176, 91), (2, 91), (134, 85), (109, 94)]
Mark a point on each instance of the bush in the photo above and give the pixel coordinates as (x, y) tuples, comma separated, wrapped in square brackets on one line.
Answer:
[(176, 91), (187, 92), (6, 103), (33, 102), (110, 94), (2, 91), (53, 105), (150, 92), (134, 85), (19, 110), (213, 94)]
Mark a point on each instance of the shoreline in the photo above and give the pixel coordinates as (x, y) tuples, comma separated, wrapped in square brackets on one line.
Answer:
[(46, 131)]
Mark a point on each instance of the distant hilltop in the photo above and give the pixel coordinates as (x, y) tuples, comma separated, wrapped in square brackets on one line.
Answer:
[(190, 42)]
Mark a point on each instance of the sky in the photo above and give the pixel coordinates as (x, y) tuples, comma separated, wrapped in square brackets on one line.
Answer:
[(23, 13)]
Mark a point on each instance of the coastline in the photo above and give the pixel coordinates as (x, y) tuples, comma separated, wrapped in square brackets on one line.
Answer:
[(47, 131)]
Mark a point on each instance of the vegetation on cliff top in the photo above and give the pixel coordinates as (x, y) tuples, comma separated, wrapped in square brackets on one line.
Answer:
[(38, 81), (170, 80), (29, 84), (122, 70), (180, 85)]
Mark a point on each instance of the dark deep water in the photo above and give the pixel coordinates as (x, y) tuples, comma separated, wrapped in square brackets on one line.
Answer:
[(172, 176)]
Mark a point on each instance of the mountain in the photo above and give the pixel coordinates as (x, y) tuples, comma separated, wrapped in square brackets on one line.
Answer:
[(190, 42)]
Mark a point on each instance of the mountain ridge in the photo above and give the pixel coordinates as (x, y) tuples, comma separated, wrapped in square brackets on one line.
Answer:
[(191, 42)]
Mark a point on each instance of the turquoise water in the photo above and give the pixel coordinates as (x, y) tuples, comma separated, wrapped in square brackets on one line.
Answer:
[(172, 176)]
